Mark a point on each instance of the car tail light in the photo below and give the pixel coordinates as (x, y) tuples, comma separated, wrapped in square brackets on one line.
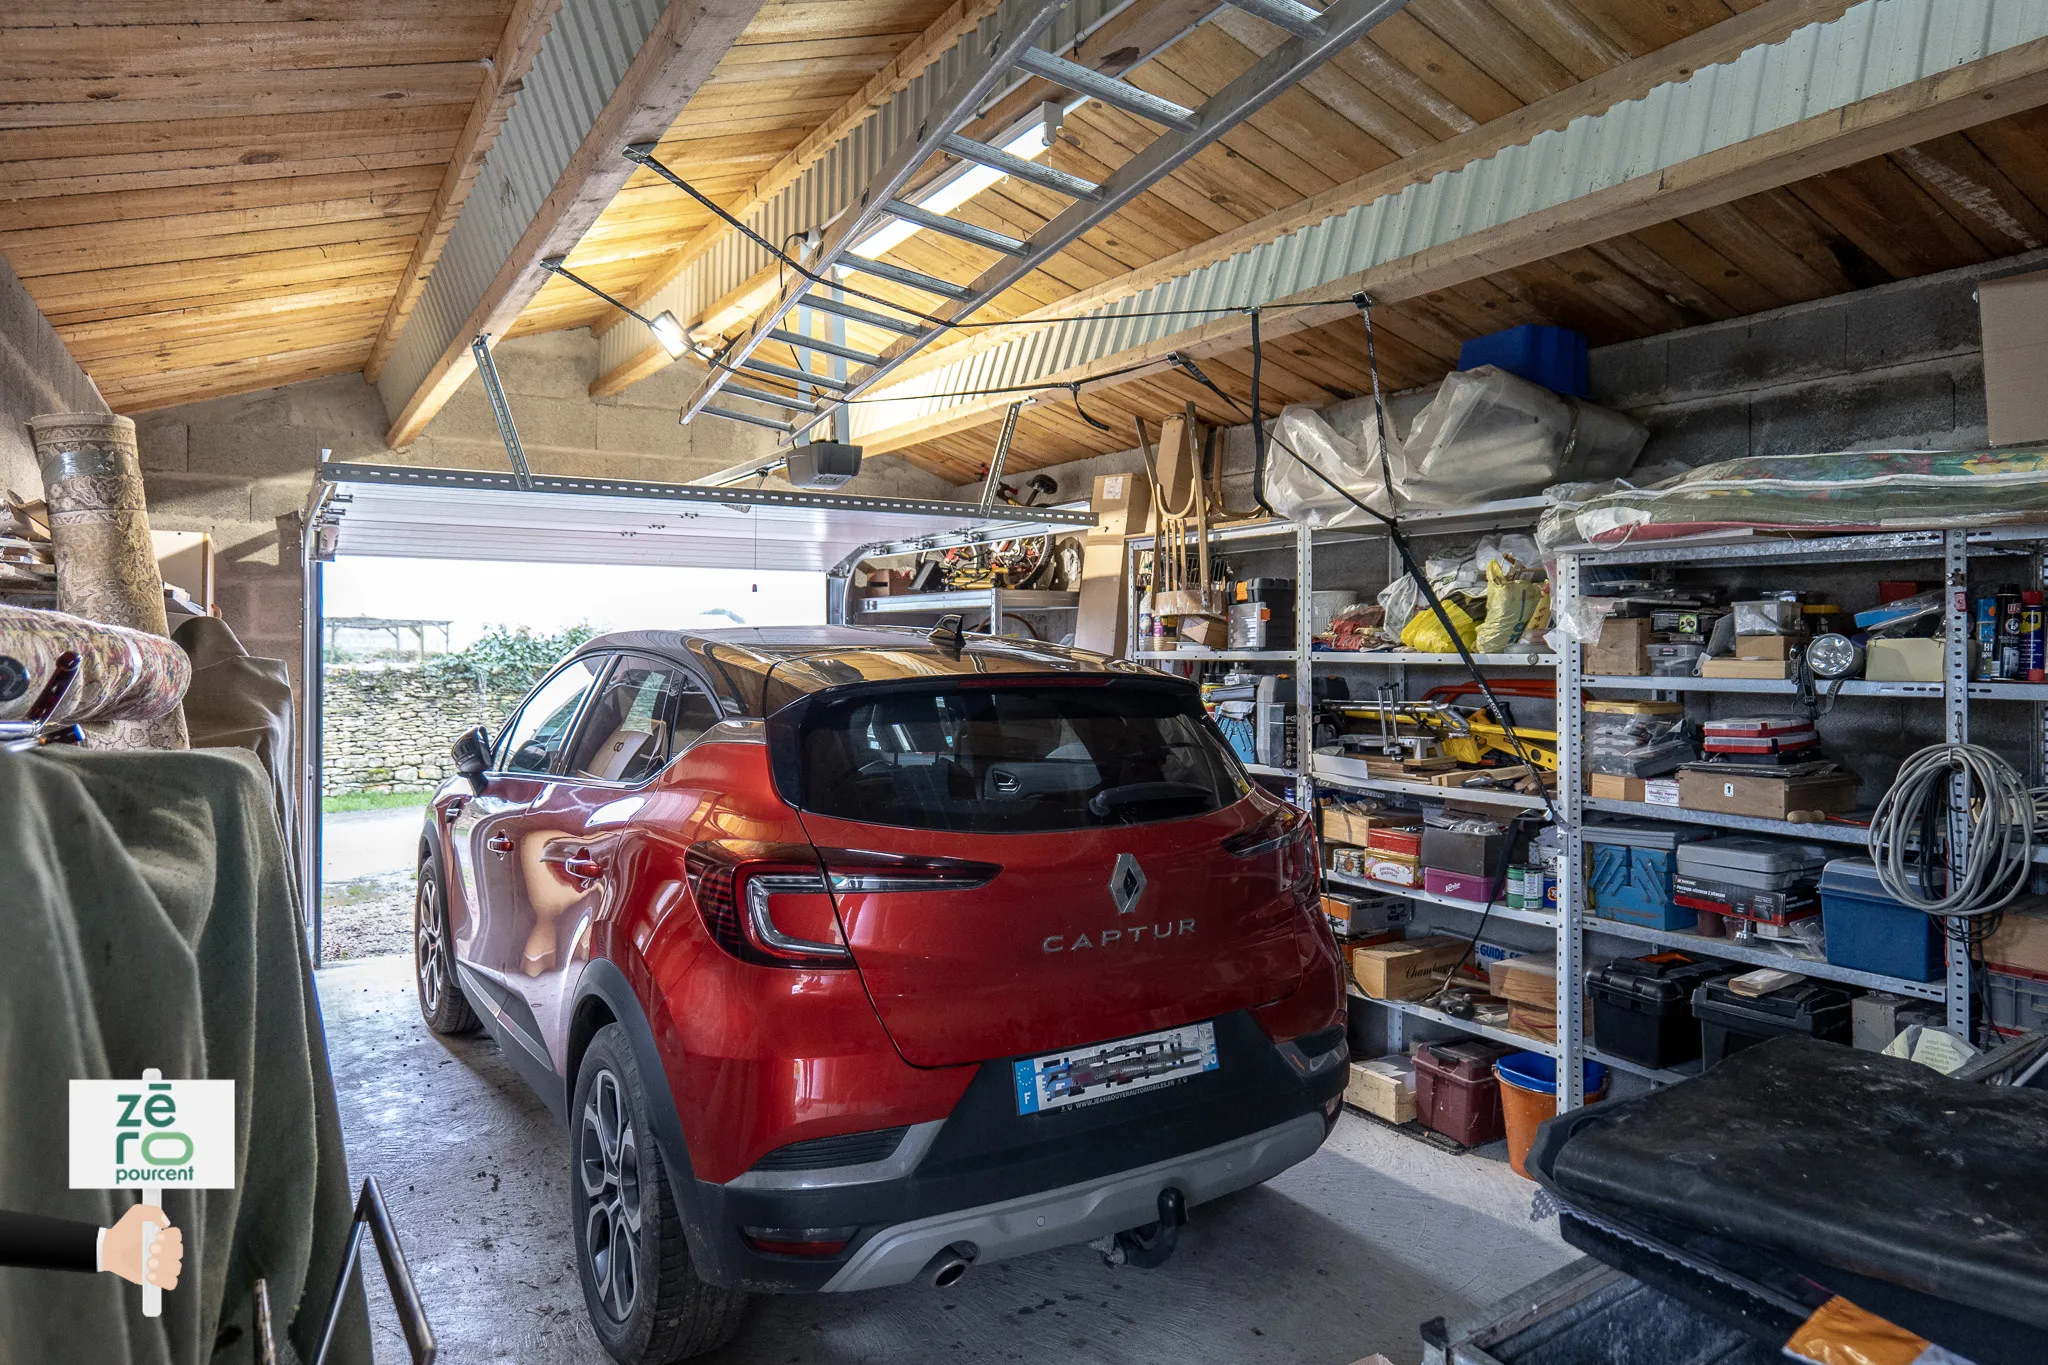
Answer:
[(1288, 832), (857, 871), (799, 1241), (766, 904)]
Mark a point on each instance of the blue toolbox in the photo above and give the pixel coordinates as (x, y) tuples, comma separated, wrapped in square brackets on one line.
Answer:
[(1869, 931), (1629, 871)]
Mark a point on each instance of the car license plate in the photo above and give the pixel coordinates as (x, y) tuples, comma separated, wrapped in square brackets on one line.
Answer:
[(1107, 1070)]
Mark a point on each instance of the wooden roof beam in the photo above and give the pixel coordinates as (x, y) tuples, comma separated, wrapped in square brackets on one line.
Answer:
[(1934, 106), (518, 45), (687, 43)]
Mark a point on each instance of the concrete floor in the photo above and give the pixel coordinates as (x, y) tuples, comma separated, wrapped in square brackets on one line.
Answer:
[(1338, 1258)]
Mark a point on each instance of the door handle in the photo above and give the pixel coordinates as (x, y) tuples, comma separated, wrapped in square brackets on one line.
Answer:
[(499, 843), (582, 867), (453, 808)]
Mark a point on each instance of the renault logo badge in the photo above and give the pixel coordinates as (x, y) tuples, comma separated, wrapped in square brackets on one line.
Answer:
[(1126, 883)]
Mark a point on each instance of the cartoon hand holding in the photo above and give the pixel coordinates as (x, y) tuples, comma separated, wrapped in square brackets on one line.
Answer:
[(34, 1242), (121, 1248)]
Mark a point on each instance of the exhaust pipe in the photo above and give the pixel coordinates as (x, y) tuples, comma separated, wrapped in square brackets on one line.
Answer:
[(945, 1269)]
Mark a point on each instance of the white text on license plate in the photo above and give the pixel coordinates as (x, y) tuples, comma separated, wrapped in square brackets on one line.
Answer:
[(1103, 1070)]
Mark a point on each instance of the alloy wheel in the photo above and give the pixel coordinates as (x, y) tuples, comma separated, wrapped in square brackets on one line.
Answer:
[(430, 947), (608, 1165)]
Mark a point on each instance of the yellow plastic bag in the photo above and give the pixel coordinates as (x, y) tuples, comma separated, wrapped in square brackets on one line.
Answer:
[(1425, 634), (1508, 597)]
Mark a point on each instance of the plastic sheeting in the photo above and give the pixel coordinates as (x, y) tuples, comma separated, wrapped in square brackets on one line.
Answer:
[(1486, 435), (1878, 490)]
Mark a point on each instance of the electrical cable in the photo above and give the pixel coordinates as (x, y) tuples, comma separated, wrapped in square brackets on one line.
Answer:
[(2000, 815), (1258, 422)]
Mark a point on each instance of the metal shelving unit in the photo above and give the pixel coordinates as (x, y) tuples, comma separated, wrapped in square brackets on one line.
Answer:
[(1574, 922)]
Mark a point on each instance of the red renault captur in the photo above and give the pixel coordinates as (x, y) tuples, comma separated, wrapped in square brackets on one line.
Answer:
[(855, 956)]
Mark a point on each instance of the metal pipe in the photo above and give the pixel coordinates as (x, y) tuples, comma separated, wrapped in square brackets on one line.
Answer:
[(481, 350), (994, 482)]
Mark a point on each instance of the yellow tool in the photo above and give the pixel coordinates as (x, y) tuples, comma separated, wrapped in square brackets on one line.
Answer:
[(1466, 735)]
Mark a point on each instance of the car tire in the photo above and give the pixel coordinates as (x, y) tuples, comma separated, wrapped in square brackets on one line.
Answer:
[(645, 1299), (442, 1003)]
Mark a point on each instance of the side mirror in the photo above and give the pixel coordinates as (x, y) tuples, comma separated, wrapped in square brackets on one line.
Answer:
[(472, 751)]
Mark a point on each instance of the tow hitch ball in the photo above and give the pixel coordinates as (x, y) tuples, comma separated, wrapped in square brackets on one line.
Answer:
[(1148, 1247)]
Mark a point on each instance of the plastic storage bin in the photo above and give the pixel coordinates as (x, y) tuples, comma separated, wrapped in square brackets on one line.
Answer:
[(1630, 874), (1555, 357), (1528, 1098), (1642, 1007), (1461, 886), (1456, 1093), (1868, 930), (1730, 1022), (2019, 1004)]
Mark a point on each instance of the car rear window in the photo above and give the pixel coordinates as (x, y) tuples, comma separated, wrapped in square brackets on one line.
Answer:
[(1014, 757)]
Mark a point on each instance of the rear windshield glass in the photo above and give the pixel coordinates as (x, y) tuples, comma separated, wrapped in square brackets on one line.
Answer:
[(1015, 759)]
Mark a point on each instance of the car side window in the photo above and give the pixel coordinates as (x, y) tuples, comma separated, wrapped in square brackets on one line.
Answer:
[(535, 738), (647, 711)]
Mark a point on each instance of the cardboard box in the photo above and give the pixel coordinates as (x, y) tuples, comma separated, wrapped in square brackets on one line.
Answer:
[(1775, 648), (1207, 631), (1348, 825), (1903, 661), (1122, 504), (2015, 323), (1383, 1087), (185, 558), (1532, 1021), (1614, 787), (1104, 618), (1408, 970), (1768, 798), (1746, 668), (2021, 943), (1361, 917), (1622, 651)]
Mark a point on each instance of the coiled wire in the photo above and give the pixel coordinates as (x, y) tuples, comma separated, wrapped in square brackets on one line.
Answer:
[(2001, 815)]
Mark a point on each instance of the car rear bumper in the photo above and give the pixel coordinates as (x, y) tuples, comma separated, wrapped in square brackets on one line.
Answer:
[(989, 1175), (1079, 1213)]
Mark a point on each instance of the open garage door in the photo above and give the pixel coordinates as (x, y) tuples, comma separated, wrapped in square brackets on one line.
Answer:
[(398, 512)]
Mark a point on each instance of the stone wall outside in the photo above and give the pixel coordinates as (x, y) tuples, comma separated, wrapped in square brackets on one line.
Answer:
[(388, 729)]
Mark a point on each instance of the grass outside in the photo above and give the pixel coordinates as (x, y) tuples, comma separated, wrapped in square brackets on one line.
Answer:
[(348, 801)]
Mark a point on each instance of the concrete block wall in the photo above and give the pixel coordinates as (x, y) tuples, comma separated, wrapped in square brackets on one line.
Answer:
[(37, 375), (241, 467)]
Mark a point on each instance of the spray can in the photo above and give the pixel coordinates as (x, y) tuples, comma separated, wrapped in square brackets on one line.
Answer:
[(2031, 642), (1987, 637), (2011, 662)]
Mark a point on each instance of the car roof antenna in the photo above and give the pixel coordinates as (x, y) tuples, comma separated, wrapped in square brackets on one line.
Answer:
[(948, 635)]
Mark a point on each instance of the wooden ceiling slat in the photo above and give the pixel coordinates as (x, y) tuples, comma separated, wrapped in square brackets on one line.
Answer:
[(383, 271), (142, 285), (1969, 185), (247, 343), (1728, 288), (73, 257), (349, 310), (1343, 92), (1646, 28), (1495, 46), (171, 387), (105, 52), (330, 131), (46, 185), (184, 202), (1877, 208), (1779, 241), (161, 234), (1696, 302), (26, 14), (46, 102), (1582, 47)]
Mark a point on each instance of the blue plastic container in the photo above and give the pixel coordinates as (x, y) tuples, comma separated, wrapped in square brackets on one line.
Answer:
[(1628, 877), (1869, 931), (1532, 1071), (1554, 357)]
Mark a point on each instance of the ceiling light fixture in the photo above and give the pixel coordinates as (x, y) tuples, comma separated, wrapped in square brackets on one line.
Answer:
[(1030, 137), (667, 330)]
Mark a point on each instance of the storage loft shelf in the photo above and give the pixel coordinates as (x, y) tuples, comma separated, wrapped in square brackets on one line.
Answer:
[(1855, 687), (1396, 787), (1540, 918), (1827, 834), (1276, 656), (1446, 521), (1763, 957), (970, 599), (1395, 658), (1520, 1041), (1225, 535), (1685, 1071)]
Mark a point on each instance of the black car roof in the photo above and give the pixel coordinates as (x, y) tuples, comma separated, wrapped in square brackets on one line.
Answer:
[(759, 669)]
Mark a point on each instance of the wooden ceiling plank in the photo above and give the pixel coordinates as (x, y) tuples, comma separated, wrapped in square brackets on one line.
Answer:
[(1416, 46), (243, 344), (26, 14), (1695, 301), (170, 388), (686, 44), (107, 51), (90, 288), (1496, 46), (184, 201), (1857, 205), (1344, 94), (74, 257), (14, 185), (519, 41), (40, 103), (1778, 240), (1979, 195), (1762, 280), (163, 232), (333, 131), (1579, 45)]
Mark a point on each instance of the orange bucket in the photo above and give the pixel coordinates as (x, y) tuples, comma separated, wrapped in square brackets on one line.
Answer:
[(1528, 1098)]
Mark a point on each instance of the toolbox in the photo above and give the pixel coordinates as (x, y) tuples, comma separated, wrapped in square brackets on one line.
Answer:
[(1630, 867), (1730, 1022), (1456, 1093), (1395, 841), (1767, 880), (1771, 796), (1868, 930), (1642, 1007)]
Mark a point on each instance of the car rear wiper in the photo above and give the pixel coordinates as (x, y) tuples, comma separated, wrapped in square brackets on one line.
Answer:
[(1111, 799)]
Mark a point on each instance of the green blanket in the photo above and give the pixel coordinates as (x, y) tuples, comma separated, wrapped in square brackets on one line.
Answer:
[(150, 920)]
